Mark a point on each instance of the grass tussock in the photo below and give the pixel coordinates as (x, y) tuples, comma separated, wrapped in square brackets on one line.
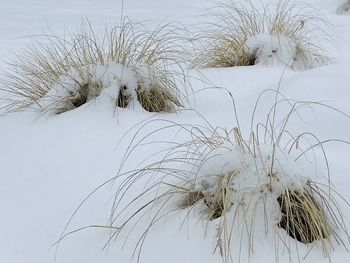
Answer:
[(251, 183), (158, 100), (286, 30), (190, 198), (66, 65), (216, 199), (236, 185), (303, 218)]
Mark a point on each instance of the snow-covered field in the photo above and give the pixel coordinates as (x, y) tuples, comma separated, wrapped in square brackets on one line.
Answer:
[(49, 164)]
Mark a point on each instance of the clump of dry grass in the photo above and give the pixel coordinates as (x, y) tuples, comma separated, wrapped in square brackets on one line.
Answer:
[(303, 218), (225, 45), (39, 69), (158, 100), (237, 185), (190, 198), (240, 197), (309, 211), (216, 199)]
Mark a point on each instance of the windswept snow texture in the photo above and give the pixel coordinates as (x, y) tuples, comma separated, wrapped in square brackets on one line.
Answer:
[(49, 164)]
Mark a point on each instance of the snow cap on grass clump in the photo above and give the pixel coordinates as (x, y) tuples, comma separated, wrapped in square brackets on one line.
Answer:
[(114, 81), (279, 32), (69, 73), (270, 50)]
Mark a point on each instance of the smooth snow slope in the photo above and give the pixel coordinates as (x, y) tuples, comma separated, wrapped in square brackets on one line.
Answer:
[(48, 165)]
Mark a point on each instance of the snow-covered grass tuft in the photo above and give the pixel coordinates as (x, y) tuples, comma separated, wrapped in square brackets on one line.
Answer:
[(256, 33), (263, 184), (109, 81), (344, 8), (58, 75)]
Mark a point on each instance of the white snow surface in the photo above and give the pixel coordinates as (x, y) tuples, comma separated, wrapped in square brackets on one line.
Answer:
[(49, 164)]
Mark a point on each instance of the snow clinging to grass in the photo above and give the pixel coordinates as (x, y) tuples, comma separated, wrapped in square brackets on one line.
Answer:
[(271, 49), (108, 81)]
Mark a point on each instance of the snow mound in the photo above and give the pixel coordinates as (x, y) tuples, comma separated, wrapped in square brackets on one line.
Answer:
[(271, 49), (266, 49)]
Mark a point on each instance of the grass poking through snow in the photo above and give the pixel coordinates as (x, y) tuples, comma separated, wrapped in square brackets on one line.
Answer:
[(58, 70), (253, 33), (243, 187)]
